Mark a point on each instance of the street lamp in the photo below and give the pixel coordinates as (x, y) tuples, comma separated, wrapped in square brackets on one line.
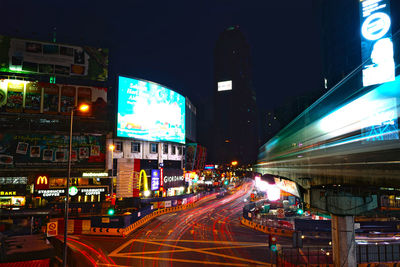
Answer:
[(112, 148), (82, 108)]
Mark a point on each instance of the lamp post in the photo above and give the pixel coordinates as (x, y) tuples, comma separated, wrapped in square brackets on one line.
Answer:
[(112, 148), (82, 108)]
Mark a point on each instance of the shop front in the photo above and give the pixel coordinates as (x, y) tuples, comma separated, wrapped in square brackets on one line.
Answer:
[(81, 194), (389, 198), (174, 182), (13, 192)]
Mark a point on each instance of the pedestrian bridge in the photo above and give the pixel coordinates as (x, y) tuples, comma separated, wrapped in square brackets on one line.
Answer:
[(350, 136)]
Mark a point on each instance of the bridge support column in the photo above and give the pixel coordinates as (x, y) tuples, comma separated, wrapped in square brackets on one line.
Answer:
[(343, 241)]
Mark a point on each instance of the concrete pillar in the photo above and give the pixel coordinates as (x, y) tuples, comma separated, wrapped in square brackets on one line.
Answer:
[(343, 241)]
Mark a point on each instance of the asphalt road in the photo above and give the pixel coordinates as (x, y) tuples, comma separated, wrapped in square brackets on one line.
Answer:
[(209, 234)]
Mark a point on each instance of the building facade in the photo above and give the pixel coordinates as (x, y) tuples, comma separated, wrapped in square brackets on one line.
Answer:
[(39, 85)]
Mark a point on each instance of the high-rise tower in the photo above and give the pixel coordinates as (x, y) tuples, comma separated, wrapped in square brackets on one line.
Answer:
[(235, 116)]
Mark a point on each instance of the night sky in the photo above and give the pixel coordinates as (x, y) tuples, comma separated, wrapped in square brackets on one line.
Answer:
[(172, 42)]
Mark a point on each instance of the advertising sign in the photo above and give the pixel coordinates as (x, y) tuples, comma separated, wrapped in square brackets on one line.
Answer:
[(376, 42), (52, 229), (225, 86), (50, 151), (155, 180), (149, 111), (287, 186), (42, 182), (173, 178), (39, 97), (34, 57), (195, 157), (51, 192)]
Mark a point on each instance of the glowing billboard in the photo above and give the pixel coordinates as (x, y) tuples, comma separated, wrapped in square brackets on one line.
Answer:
[(376, 42), (149, 111), (225, 86)]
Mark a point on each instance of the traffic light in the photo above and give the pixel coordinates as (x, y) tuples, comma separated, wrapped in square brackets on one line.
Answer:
[(300, 211), (252, 196), (272, 243), (111, 211), (226, 182)]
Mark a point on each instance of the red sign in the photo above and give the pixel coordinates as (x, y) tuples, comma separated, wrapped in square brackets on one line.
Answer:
[(51, 229), (162, 177), (42, 182)]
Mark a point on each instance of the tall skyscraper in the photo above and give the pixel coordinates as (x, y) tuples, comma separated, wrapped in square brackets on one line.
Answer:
[(235, 112)]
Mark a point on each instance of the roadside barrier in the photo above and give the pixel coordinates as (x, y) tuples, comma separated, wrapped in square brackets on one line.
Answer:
[(127, 230), (267, 229)]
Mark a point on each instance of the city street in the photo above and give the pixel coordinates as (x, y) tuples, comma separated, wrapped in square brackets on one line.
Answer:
[(210, 233)]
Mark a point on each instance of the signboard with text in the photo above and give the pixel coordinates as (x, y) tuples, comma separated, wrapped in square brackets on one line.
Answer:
[(376, 42), (173, 178), (155, 180)]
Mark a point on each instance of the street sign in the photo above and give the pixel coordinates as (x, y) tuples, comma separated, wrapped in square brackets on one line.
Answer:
[(51, 229), (281, 213)]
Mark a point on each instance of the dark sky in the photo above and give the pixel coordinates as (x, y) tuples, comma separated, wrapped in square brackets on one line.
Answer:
[(172, 42)]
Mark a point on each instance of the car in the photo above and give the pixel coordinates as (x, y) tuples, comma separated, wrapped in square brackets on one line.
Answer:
[(221, 194)]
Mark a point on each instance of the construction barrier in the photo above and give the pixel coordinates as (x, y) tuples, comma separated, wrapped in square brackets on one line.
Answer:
[(266, 229), (127, 230), (379, 264)]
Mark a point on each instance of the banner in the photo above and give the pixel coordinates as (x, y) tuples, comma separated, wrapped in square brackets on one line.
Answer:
[(39, 97), (34, 57), (50, 151)]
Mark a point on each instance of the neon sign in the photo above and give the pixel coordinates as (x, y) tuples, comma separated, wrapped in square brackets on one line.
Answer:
[(376, 42), (155, 180), (42, 182)]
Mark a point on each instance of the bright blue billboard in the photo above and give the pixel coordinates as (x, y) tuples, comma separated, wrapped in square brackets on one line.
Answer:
[(376, 42), (149, 111)]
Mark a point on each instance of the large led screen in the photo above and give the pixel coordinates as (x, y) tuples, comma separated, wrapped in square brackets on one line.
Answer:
[(149, 111)]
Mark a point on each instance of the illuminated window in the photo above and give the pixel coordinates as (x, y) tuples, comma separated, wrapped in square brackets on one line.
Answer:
[(135, 147), (165, 148), (118, 146), (153, 148)]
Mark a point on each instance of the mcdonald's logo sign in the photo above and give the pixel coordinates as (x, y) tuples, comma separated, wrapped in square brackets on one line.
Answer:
[(145, 183), (42, 182)]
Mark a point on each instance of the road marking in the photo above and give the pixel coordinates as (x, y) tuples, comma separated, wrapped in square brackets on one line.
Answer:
[(189, 261), (184, 249)]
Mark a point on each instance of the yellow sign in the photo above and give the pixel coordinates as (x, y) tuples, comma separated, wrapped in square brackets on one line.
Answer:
[(145, 183), (41, 180), (52, 229), (8, 193)]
